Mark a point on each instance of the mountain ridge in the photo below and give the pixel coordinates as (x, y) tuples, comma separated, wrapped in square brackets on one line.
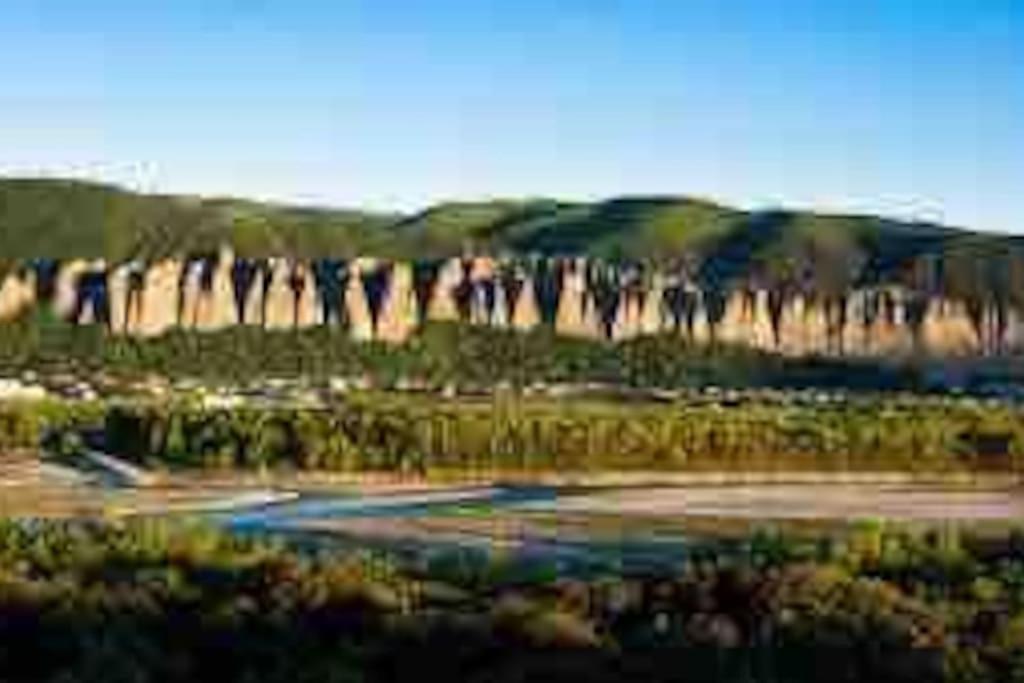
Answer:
[(64, 218)]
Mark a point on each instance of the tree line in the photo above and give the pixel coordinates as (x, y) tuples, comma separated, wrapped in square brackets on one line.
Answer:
[(424, 434)]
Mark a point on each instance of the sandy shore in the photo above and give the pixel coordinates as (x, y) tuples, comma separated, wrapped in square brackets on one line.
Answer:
[(631, 509), (672, 512), (845, 502), (371, 482), (29, 487)]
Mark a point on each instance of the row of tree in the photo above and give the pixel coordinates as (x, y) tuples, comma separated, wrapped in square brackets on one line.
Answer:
[(422, 434)]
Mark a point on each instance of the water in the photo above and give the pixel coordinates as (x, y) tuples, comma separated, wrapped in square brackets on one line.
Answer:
[(531, 553), (308, 507)]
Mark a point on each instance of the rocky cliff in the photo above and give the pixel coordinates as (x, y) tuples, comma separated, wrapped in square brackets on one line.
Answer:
[(386, 301)]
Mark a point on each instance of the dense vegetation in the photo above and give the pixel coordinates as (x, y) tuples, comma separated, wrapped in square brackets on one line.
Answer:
[(426, 435), (714, 244), (69, 219), (154, 603), (503, 428), (472, 357), (423, 435)]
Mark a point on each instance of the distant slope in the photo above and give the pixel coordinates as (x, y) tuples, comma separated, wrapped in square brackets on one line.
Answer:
[(66, 219), (70, 218)]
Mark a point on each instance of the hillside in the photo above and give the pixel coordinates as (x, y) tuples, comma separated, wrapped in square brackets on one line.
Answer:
[(69, 218)]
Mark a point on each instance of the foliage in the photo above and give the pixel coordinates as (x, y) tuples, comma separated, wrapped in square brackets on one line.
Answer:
[(155, 601), (423, 435), (472, 357), (41, 218)]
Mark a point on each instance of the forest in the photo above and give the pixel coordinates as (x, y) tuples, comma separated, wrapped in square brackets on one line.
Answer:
[(425, 435), (152, 601)]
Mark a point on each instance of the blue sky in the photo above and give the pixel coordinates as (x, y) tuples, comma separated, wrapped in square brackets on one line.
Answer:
[(904, 107)]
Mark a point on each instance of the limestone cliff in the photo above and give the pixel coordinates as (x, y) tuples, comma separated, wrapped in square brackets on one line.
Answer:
[(156, 289), (572, 318), (359, 316), (397, 318), (209, 294), (443, 306), (17, 293), (519, 297), (388, 301)]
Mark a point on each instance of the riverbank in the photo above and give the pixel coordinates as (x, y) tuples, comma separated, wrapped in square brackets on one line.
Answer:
[(383, 482), (33, 488)]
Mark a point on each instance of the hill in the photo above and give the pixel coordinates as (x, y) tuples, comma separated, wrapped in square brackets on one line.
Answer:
[(70, 218), (42, 218)]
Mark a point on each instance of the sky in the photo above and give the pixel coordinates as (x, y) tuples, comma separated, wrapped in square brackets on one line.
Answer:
[(909, 108)]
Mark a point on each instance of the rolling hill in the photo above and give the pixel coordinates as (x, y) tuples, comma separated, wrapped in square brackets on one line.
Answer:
[(55, 218)]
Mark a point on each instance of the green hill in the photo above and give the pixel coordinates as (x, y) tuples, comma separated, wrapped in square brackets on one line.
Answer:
[(70, 218), (67, 218)]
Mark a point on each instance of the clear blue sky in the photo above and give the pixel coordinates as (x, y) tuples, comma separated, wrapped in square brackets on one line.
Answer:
[(905, 107)]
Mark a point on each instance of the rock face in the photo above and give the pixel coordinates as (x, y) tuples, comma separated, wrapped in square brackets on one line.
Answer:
[(574, 317), (523, 305), (66, 287), (450, 280), (388, 301), (17, 293), (207, 293), (356, 304), (156, 289), (397, 319), (279, 305)]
